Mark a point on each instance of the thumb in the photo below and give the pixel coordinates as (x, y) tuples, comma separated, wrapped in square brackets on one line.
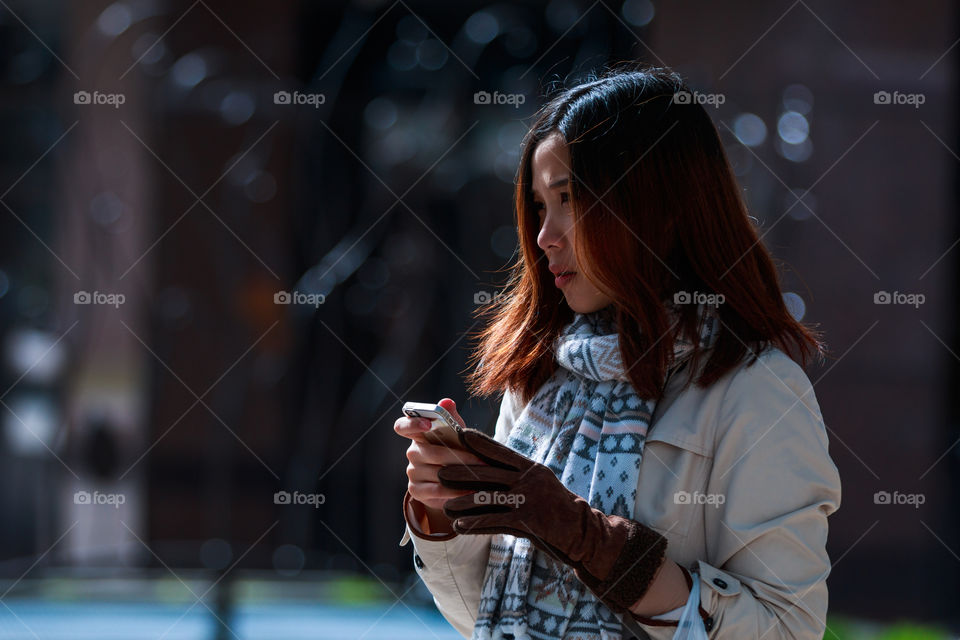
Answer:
[(451, 406)]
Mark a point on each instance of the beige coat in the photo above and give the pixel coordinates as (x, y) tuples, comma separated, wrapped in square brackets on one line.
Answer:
[(737, 477)]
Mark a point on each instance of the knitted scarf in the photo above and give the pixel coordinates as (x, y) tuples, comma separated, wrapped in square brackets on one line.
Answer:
[(588, 425)]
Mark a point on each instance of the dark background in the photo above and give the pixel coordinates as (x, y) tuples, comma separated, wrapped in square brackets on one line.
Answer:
[(200, 197)]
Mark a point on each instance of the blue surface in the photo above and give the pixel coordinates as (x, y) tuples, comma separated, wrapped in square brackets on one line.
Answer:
[(31, 619)]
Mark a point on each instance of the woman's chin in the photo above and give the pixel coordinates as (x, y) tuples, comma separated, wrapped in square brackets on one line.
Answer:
[(578, 305)]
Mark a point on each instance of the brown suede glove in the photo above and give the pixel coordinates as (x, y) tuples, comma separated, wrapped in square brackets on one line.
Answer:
[(615, 557)]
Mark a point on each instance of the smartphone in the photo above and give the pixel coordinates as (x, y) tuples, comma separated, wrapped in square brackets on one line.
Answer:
[(445, 429)]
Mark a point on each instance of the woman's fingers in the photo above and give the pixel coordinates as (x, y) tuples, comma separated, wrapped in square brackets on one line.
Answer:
[(420, 452), (451, 406), (426, 459), (412, 428), (424, 487)]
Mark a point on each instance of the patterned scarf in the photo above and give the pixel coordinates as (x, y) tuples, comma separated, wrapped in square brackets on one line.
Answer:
[(588, 425)]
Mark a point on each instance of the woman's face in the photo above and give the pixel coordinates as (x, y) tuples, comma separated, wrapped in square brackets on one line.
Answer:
[(551, 197)]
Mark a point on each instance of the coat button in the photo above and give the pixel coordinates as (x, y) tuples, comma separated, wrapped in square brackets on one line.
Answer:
[(417, 561), (708, 623), (720, 582)]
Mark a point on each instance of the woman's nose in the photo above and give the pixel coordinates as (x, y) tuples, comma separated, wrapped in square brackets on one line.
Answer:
[(551, 235)]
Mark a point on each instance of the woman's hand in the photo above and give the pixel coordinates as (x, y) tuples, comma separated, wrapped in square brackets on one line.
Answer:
[(616, 557), (425, 460)]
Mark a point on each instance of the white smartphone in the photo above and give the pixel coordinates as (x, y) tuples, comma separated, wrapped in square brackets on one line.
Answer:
[(444, 430)]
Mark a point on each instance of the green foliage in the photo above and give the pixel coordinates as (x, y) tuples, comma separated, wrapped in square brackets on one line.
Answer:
[(846, 628)]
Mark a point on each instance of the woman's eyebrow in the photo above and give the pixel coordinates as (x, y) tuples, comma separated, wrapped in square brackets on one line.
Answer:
[(559, 182)]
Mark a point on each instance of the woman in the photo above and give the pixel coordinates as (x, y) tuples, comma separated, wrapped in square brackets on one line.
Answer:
[(653, 431)]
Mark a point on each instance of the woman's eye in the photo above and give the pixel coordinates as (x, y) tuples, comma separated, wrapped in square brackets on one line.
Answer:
[(564, 197)]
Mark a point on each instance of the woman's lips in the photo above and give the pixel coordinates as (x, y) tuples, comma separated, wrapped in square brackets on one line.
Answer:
[(563, 279)]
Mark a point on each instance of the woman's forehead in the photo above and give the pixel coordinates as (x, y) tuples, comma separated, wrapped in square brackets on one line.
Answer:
[(551, 162)]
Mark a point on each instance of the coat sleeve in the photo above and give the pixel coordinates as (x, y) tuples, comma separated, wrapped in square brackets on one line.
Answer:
[(766, 542), (453, 566)]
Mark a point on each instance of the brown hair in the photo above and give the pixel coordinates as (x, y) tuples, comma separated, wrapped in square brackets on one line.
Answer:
[(659, 212)]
